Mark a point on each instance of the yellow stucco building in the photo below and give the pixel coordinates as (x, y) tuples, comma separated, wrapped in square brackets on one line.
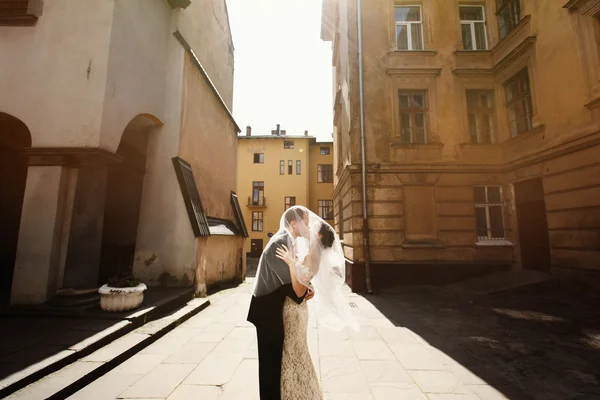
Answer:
[(277, 171)]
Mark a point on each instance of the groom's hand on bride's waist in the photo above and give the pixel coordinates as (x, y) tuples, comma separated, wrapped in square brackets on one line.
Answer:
[(310, 293)]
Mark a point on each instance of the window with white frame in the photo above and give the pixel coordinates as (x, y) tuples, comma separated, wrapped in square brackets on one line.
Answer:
[(489, 213), (409, 27), (472, 25)]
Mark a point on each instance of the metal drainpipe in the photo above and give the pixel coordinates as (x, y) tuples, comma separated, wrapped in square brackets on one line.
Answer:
[(362, 153)]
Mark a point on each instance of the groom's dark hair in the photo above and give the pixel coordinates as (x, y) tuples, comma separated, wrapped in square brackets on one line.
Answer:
[(327, 235), (292, 213)]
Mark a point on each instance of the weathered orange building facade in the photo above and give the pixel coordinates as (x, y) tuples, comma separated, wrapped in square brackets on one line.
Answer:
[(482, 132)]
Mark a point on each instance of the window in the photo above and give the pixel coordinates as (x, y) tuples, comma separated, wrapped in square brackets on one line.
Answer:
[(518, 103), (472, 25), (288, 144), (258, 193), (259, 158), (325, 151), (257, 221), (298, 167), (409, 28), (326, 209), (480, 110), (20, 12), (509, 15), (413, 113), (290, 202), (325, 173), (488, 213), (282, 167), (191, 197), (290, 167)]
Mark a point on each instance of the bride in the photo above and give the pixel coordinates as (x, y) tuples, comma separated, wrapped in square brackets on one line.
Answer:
[(316, 259)]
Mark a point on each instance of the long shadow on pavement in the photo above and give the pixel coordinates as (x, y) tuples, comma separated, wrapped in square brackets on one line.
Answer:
[(540, 342)]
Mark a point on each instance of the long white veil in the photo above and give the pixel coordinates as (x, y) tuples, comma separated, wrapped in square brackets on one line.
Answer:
[(320, 266)]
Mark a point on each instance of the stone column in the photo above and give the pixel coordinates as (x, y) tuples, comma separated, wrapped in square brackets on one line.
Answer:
[(85, 240), (40, 250)]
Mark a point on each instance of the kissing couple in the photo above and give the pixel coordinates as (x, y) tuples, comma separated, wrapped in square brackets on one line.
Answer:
[(304, 259)]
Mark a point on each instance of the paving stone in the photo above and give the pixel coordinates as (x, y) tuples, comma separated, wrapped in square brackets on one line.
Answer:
[(477, 375), (53, 383), (397, 335), (107, 387), (365, 333), (242, 333), (190, 353), (438, 382), (336, 348), (244, 383), (488, 392), (187, 392), (171, 342), (210, 337), (385, 372), (220, 327), (453, 397), (252, 353), (160, 382), (141, 364), (17, 376), (100, 335), (197, 322), (215, 369), (442, 357), (348, 396), (116, 348), (415, 356), (342, 375), (233, 346), (397, 391), (372, 350)]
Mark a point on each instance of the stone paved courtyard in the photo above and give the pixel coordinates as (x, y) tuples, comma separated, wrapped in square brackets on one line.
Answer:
[(415, 343)]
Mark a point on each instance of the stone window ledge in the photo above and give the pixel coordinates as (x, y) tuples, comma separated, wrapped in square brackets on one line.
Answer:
[(405, 145), (494, 243), (521, 136)]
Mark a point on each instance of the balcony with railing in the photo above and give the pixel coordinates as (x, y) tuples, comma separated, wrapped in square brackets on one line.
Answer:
[(257, 202)]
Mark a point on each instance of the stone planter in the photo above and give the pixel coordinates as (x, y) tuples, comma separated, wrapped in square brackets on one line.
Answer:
[(121, 299)]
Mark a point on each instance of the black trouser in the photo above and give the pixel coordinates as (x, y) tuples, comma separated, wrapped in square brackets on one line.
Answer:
[(270, 349)]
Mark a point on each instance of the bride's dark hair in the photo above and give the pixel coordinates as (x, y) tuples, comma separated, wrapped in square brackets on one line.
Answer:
[(327, 235)]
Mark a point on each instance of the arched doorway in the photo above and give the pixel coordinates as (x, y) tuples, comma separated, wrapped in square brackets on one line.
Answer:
[(14, 137), (123, 199)]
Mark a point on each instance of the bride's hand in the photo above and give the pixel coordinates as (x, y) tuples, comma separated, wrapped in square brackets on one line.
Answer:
[(284, 254)]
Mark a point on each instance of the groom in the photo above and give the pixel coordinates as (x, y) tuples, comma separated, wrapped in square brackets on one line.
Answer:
[(266, 311)]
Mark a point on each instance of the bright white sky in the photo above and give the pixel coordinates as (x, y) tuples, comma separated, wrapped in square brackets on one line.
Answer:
[(282, 68)]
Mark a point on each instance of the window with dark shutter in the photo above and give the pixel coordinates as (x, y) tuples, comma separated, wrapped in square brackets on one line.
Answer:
[(237, 210), (20, 12), (191, 197)]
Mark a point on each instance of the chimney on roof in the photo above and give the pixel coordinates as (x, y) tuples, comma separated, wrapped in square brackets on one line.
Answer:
[(248, 131), (305, 133), (278, 130)]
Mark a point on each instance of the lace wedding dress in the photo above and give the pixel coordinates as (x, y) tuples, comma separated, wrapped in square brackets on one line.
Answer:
[(298, 377)]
